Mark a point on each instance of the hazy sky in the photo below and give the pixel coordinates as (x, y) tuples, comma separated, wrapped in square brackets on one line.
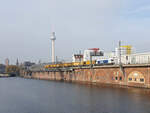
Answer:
[(25, 26)]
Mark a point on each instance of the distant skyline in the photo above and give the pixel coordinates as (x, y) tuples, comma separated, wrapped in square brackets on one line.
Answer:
[(25, 27)]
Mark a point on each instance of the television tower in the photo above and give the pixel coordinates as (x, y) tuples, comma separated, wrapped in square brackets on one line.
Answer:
[(53, 38)]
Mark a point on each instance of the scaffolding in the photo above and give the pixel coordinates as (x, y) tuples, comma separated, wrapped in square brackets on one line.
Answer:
[(128, 49)]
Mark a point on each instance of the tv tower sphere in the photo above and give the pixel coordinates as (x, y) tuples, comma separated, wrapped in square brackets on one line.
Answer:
[(53, 38)]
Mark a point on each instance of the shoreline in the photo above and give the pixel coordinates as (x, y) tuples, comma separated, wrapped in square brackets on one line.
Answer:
[(88, 83)]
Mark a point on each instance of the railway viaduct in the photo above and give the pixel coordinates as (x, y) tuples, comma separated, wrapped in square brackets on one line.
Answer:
[(127, 75)]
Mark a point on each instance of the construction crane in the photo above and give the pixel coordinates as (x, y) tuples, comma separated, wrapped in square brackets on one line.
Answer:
[(128, 49)]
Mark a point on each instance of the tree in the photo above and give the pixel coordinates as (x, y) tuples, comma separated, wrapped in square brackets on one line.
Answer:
[(12, 69)]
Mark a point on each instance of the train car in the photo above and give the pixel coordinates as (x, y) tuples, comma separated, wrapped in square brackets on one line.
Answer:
[(75, 64), (85, 63), (105, 61), (52, 66), (89, 62), (67, 64), (46, 66), (70, 64)]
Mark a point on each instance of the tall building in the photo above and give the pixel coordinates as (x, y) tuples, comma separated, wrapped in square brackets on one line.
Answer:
[(94, 52), (53, 38), (7, 62)]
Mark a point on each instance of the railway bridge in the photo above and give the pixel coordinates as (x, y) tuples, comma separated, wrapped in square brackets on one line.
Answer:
[(137, 75)]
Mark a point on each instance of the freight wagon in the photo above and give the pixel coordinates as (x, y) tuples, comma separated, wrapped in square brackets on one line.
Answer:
[(70, 64)]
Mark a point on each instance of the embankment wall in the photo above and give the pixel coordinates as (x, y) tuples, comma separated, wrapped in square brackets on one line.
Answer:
[(131, 75)]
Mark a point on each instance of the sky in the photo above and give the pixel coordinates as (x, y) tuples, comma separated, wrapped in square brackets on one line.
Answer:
[(25, 27)]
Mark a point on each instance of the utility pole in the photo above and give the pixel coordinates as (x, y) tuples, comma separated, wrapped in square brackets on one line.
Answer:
[(91, 65), (80, 57), (120, 64), (56, 59), (120, 53)]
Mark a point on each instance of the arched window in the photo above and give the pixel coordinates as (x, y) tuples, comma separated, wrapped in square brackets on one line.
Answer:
[(136, 77)]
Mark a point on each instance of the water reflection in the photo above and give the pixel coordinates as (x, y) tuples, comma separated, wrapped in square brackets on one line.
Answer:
[(19, 95)]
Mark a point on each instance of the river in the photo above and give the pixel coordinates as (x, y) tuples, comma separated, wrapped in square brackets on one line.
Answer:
[(19, 95)]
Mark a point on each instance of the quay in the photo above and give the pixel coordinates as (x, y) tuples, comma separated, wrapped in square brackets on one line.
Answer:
[(132, 75)]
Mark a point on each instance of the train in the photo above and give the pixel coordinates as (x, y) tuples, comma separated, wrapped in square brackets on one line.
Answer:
[(70, 64), (83, 63), (105, 61)]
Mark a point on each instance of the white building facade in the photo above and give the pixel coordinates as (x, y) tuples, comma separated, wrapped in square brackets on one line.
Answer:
[(138, 58)]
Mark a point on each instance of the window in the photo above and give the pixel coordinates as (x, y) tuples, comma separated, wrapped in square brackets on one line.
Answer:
[(112, 59), (130, 79), (116, 78), (141, 79), (120, 78)]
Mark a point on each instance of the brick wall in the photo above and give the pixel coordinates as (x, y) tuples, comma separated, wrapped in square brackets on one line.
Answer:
[(137, 76)]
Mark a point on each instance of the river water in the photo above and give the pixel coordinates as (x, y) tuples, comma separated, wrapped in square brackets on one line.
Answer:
[(18, 95)]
